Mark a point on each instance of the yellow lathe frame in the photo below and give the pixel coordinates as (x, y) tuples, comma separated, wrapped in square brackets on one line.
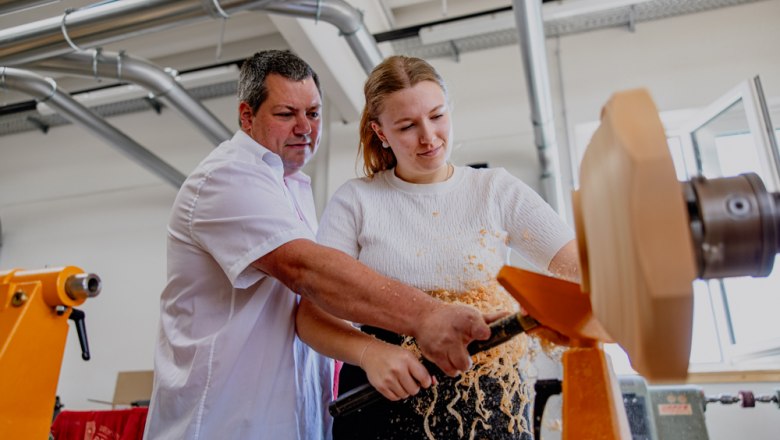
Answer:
[(33, 335)]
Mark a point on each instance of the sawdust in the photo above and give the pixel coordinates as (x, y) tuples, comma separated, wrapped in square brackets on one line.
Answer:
[(502, 364)]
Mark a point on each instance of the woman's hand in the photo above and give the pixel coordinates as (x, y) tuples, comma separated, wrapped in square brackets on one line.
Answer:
[(393, 371)]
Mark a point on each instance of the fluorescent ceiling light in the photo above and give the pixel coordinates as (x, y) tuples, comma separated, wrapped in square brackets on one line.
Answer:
[(99, 97), (469, 27), (572, 8), (402, 3), (9, 6), (504, 20), (127, 92)]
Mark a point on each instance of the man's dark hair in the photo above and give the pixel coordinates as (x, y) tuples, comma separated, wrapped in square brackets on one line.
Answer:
[(255, 69)]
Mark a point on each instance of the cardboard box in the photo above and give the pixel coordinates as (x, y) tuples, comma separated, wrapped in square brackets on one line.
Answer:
[(132, 387)]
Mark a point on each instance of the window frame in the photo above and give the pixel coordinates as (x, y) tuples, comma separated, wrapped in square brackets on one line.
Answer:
[(736, 354)]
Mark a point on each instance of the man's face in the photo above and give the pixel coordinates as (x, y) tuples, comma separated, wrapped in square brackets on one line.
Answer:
[(287, 122)]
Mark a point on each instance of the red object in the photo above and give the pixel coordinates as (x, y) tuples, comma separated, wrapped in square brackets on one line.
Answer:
[(336, 371), (123, 424)]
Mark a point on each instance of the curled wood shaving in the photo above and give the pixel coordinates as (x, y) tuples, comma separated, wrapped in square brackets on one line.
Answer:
[(503, 364)]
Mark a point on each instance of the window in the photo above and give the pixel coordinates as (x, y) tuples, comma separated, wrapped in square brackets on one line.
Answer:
[(730, 137)]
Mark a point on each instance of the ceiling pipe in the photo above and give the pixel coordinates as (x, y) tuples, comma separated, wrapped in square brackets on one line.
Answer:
[(348, 20), (162, 84), (104, 23), (528, 15), (45, 90)]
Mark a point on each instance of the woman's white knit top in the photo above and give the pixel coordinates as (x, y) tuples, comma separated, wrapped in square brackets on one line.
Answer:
[(451, 235)]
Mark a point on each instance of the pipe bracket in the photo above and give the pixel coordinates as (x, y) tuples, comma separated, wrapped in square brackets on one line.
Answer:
[(119, 58), (64, 28), (222, 13), (95, 56)]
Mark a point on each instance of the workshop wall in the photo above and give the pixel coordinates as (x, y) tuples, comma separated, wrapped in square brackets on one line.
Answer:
[(67, 198)]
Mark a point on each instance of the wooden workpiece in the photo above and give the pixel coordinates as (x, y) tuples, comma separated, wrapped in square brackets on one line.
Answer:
[(635, 238)]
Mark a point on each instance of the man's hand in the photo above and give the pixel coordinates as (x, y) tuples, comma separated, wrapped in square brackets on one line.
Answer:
[(444, 333)]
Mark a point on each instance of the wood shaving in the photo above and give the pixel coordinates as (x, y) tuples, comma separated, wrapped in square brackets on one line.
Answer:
[(503, 364)]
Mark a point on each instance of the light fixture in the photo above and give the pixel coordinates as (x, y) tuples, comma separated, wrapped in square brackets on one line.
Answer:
[(468, 27), (573, 8), (10, 6), (505, 20), (127, 92)]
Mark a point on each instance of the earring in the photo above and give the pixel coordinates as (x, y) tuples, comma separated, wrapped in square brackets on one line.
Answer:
[(385, 145)]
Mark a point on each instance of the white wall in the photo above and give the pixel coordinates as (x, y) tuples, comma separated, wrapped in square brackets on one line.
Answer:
[(68, 199), (686, 61)]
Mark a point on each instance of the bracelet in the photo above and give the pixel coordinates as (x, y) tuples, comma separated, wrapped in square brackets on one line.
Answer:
[(363, 353)]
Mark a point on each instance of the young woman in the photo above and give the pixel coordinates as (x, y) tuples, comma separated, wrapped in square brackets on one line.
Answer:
[(446, 230)]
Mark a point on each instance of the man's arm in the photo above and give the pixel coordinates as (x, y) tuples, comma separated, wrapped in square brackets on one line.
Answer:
[(350, 290)]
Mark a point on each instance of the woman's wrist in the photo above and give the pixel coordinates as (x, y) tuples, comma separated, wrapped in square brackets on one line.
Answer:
[(363, 352)]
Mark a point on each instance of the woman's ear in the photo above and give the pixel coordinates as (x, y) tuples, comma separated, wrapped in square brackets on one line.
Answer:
[(378, 130)]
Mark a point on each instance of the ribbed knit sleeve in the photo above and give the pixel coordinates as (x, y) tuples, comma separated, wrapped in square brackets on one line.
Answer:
[(535, 230), (341, 220)]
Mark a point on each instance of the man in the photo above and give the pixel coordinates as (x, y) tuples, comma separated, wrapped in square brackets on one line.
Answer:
[(240, 246)]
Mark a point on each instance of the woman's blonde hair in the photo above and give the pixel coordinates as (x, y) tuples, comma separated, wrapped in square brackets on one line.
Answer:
[(395, 73)]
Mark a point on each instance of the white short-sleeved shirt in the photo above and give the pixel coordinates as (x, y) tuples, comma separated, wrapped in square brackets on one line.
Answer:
[(453, 235), (228, 364)]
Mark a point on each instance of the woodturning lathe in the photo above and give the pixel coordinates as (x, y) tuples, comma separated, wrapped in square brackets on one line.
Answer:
[(643, 238), (34, 311)]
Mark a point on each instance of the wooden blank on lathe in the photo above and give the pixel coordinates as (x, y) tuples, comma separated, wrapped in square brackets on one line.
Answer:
[(635, 239)]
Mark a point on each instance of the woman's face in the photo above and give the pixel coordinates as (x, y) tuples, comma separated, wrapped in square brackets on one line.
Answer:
[(415, 122)]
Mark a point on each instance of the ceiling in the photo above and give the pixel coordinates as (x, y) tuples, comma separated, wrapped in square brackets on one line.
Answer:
[(213, 42), (216, 41), (200, 41)]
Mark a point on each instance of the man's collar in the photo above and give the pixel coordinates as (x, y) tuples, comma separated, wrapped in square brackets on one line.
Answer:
[(268, 156)]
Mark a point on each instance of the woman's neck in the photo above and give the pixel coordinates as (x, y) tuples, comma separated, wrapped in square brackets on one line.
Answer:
[(441, 174)]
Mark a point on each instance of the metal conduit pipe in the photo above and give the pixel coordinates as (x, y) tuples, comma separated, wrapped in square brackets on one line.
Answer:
[(45, 90), (93, 26), (149, 76), (528, 16), (104, 23), (344, 17)]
